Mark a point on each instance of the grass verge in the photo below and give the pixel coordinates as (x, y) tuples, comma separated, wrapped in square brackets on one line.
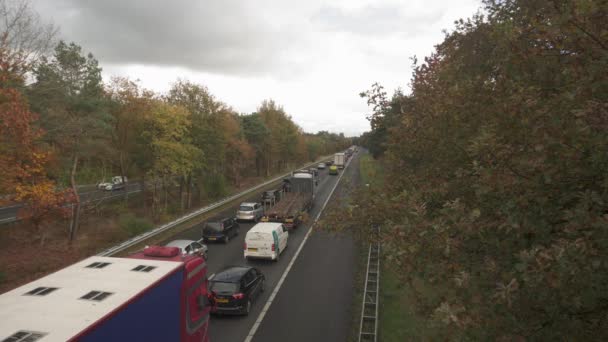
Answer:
[(397, 321)]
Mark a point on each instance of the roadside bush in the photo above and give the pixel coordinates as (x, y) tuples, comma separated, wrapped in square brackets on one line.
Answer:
[(134, 225)]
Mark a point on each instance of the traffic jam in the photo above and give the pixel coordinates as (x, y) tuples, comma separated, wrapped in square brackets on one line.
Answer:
[(164, 293)]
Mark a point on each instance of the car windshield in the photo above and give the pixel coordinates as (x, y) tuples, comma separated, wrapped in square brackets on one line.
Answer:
[(213, 226), (245, 208), (222, 287)]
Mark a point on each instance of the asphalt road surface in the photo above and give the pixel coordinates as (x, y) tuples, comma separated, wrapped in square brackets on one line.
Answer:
[(303, 277), (316, 299)]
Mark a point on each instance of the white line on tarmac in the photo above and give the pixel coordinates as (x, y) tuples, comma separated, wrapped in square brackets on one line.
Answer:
[(258, 321)]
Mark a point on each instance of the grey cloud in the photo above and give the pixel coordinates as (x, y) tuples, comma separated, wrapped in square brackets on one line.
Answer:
[(213, 36), (374, 20)]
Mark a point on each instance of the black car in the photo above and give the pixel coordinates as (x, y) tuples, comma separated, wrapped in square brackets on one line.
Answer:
[(234, 288), (221, 230)]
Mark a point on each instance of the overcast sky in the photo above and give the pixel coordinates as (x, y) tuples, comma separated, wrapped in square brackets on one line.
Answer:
[(313, 57)]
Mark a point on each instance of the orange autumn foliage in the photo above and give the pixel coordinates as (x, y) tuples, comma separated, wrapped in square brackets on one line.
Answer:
[(23, 162)]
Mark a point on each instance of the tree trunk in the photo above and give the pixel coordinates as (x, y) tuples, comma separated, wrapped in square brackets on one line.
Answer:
[(166, 194), (182, 180), (143, 190), (189, 192), (122, 175), (76, 206), (155, 200)]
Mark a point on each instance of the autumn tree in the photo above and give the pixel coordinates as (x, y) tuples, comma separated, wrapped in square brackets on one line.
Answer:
[(283, 134), (23, 161), (167, 130), (494, 206), (129, 106)]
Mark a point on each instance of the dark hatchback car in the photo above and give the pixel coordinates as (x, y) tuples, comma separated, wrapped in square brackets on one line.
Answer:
[(235, 288), (222, 230)]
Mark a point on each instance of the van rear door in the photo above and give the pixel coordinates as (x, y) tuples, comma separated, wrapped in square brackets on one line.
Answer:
[(259, 243)]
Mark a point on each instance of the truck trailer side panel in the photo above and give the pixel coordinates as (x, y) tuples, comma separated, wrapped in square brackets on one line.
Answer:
[(133, 322)]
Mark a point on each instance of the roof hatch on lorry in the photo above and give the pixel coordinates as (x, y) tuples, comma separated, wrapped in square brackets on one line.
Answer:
[(25, 336)]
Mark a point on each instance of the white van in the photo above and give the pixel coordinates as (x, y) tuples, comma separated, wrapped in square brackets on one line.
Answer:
[(266, 240)]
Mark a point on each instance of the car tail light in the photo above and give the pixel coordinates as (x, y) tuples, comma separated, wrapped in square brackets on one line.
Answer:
[(273, 248), (238, 296)]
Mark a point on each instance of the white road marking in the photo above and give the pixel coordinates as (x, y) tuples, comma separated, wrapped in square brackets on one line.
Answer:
[(258, 321)]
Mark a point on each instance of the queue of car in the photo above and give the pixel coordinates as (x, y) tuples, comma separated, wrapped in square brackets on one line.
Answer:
[(235, 288)]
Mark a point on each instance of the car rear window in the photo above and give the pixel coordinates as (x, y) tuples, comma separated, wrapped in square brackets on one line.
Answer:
[(245, 208), (222, 287), (213, 226)]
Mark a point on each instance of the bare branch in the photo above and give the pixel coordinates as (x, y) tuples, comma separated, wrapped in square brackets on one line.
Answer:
[(26, 36)]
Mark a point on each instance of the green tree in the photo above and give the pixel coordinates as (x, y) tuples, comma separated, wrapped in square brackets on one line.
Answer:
[(68, 94), (258, 136)]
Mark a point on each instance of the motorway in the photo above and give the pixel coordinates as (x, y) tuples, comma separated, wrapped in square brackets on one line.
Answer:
[(9, 213), (315, 299)]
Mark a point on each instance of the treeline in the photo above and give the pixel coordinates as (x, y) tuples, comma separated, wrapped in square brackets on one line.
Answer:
[(494, 208), (84, 130)]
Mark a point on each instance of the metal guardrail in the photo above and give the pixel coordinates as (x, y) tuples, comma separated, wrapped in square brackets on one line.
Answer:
[(93, 200), (368, 329), (138, 239)]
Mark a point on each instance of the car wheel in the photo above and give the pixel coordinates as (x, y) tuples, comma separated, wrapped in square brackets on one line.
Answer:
[(248, 307), (226, 239), (237, 231)]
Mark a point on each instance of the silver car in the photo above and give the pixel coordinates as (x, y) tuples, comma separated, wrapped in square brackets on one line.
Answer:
[(249, 211), (190, 247)]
